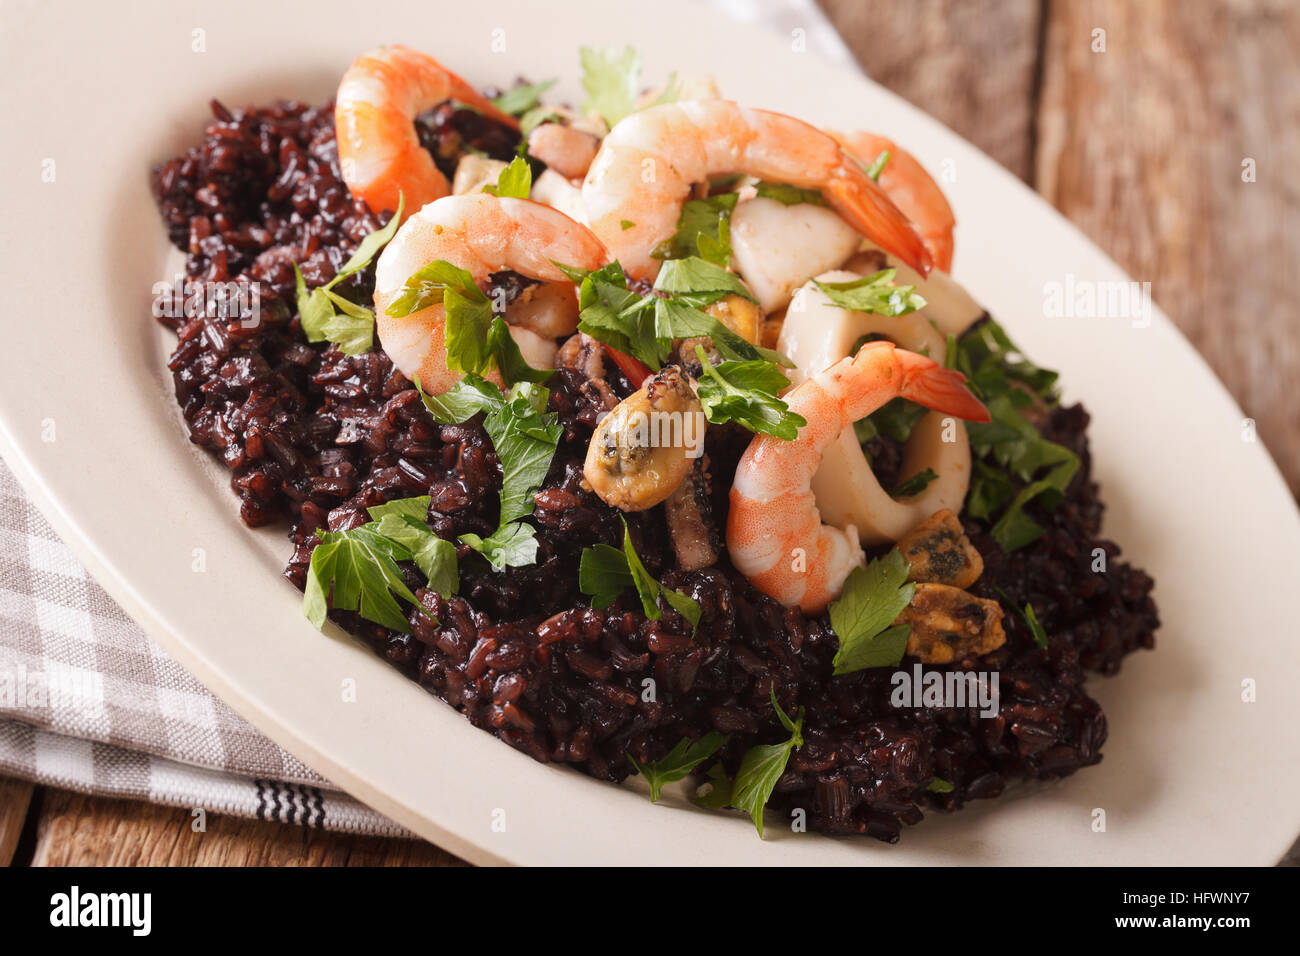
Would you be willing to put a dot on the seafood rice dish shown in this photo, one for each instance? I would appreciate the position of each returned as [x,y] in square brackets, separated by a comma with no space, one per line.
[653,434]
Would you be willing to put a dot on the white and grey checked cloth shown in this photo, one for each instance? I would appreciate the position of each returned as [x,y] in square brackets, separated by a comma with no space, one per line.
[89,703]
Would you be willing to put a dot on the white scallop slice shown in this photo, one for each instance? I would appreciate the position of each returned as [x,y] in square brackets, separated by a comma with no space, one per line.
[777,247]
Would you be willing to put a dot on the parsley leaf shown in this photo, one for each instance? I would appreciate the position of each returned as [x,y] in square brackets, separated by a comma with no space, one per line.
[521,99]
[715,792]
[514,182]
[874,293]
[895,419]
[646,326]
[511,545]
[476,338]
[603,573]
[871,601]
[703,230]
[939,785]
[425,287]
[612,81]
[915,485]
[505,355]
[1030,619]
[762,766]
[878,165]
[678,762]
[704,281]
[745,392]
[789,195]
[403,521]
[352,326]
[357,571]
[525,437]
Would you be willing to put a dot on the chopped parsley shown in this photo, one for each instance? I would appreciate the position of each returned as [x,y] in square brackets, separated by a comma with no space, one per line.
[477,340]
[403,521]
[357,569]
[1014,464]
[522,99]
[915,485]
[875,293]
[678,762]
[745,392]
[863,617]
[525,437]
[762,766]
[789,195]
[1030,619]
[878,165]
[612,81]
[604,572]
[703,230]
[326,316]
[939,785]
[895,420]
[645,326]
[515,181]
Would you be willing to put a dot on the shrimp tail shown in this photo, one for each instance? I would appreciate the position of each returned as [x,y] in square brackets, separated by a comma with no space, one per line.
[866,207]
[943,389]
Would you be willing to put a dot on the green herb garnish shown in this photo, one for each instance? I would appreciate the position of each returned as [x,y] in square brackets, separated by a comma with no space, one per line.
[878,165]
[789,195]
[612,80]
[703,230]
[1013,460]
[645,326]
[358,567]
[326,316]
[477,340]
[521,99]
[1027,615]
[939,785]
[525,437]
[763,765]
[745,392]
[604,572]
[915,485]
[678,762]
[863,617]
[515,181]
[874,293]
[403,521]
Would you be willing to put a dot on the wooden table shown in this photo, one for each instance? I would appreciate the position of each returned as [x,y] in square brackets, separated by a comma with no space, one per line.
[1137,134]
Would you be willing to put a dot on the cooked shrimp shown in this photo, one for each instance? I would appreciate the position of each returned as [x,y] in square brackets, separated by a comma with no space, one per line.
[816,334]
[775,533]
[374,118]
[647,165]
[565,149]
[482,235]
[911,188]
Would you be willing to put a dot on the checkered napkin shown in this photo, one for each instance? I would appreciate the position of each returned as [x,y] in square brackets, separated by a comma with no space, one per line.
[89,703]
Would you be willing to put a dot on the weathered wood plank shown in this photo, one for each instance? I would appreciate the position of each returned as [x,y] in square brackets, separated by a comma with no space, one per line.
[1143,146]
[77,830]
[15,801]
[970,65]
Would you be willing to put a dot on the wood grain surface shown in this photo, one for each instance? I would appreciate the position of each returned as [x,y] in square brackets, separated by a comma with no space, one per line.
[1142,145]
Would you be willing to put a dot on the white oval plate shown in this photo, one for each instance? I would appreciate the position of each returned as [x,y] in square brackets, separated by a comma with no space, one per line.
[1191,773]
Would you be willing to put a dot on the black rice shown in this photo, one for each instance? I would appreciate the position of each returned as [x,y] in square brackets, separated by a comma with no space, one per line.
[316,437]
